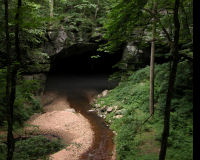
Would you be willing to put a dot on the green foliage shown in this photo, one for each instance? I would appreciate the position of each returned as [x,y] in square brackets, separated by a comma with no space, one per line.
[96,56]
[131,21]
[133,140]
[37,147]
[79,18]
[121,21]
[25,103]
[32,23]
[125,21]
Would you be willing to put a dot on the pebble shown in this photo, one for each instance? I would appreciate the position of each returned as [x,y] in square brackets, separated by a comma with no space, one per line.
[71,110]
[91,110]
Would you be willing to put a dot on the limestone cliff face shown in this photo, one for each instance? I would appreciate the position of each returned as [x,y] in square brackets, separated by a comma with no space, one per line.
[133,57]
[63,38]
[56,42]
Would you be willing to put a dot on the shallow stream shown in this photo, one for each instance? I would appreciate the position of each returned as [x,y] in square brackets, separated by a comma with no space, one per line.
[79,91]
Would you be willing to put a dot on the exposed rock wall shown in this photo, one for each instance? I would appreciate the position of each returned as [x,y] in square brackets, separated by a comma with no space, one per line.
[133,57]
[56,42]
[62,38]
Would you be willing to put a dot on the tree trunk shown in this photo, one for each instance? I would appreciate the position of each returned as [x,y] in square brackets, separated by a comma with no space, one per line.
[172,77]
[51,16]
[11,79]
[10,139]
[96,11]
[17,43]
[151,95]
[51,8]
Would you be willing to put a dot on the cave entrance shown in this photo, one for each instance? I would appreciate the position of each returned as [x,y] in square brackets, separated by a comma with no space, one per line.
[82,59]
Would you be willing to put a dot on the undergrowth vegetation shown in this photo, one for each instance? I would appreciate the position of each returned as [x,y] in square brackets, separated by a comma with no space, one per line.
[26,102]
[138,138]
[37,147]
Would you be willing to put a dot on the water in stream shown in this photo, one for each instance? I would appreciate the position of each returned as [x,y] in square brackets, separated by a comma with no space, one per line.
[79,89]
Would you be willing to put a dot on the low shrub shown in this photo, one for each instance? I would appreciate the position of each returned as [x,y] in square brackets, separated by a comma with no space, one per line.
[37,147]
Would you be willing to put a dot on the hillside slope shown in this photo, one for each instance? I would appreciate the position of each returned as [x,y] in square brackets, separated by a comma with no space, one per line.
[126,109]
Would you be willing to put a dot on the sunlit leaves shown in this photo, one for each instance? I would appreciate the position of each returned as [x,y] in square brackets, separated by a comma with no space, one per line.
[121,20]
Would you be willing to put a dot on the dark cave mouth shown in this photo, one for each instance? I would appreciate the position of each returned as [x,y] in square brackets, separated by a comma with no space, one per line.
[84,60]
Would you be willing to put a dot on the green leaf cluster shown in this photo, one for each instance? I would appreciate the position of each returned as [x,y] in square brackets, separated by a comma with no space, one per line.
[33,148]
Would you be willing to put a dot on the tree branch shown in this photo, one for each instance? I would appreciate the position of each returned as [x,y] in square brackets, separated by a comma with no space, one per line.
[158,20]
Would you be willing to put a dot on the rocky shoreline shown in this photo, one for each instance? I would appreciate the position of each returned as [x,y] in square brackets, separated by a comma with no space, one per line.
[103,111]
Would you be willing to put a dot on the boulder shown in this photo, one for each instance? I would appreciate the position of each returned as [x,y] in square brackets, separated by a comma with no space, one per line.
[118,112]
[122,111]
[104,93]
[109,109]
[118,116]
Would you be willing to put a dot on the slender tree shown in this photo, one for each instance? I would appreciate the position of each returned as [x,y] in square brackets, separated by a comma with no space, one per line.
[151,95]
[17,42]
[172,77]
[51,4]
[97,9]
[10,139]
[12,69]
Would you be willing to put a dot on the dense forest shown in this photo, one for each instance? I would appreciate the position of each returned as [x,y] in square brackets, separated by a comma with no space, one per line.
[121,69]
